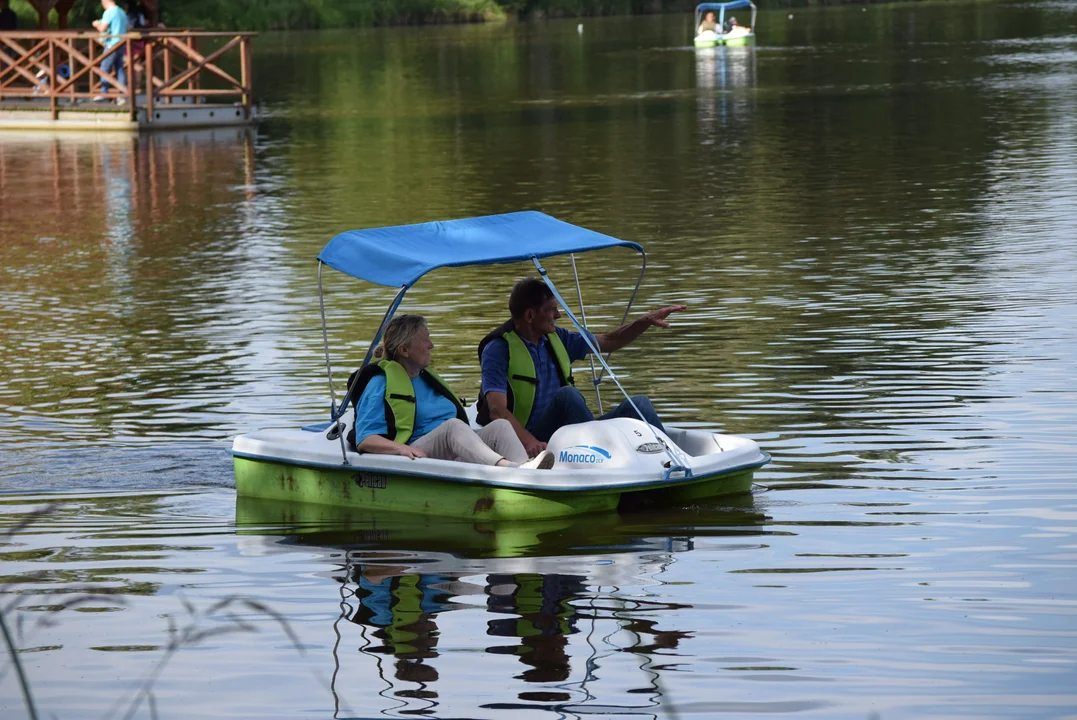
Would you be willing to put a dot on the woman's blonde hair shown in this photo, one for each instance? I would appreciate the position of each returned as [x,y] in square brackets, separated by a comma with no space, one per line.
[400,331]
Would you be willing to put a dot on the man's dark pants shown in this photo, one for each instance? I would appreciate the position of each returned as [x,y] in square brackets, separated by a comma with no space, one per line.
[568,408]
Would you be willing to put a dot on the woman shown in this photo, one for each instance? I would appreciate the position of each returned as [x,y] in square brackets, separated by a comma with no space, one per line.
[406,409]
[708,24]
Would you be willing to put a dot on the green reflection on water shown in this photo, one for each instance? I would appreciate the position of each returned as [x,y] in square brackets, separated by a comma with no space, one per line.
[870,216]
[826,203]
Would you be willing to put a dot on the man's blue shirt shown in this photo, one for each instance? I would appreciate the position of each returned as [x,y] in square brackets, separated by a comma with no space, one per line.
[431,409]
[117,24]
[495,367]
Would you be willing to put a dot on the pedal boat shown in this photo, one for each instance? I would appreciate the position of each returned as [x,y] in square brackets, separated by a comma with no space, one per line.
[737,36]
[600,465]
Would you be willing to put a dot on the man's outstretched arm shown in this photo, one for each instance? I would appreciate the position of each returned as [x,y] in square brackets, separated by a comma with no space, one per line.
[627,333]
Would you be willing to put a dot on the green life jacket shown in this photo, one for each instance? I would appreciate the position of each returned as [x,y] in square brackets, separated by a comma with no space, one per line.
[399,397]
[523,380]
[407,610]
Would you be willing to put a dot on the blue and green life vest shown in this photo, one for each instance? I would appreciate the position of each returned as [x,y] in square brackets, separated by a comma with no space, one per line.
[523,380]
[399,397]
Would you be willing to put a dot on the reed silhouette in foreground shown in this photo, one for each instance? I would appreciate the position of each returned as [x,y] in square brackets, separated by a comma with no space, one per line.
[191,632]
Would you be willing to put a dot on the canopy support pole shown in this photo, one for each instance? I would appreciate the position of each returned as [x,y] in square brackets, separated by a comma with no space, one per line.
[583,316]
[325,341]
[335,411]
[348,399]
[628,308]
[384,321]
[373,345]
[366,361]
[329,369]
[676,464]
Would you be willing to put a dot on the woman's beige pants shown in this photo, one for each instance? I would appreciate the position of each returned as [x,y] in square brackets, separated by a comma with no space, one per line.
[455,440]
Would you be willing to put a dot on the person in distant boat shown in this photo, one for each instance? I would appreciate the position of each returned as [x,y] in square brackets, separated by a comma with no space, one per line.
[404,408]
[734,26]
[708,24]
[527,367]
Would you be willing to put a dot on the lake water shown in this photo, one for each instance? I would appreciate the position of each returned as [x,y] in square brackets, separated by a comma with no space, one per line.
[873,218]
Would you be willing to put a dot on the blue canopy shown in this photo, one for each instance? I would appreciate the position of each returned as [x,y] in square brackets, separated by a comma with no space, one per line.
[400,255]
[704,7]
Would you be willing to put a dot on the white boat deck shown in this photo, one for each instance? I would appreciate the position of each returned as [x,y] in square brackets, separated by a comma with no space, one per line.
[600,455]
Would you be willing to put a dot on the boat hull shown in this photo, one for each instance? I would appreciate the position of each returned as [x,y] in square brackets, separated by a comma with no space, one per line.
[355,488]
[739,41]
[729,41]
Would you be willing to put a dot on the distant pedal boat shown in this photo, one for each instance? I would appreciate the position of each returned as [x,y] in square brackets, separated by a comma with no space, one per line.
[737,36]
[599,466]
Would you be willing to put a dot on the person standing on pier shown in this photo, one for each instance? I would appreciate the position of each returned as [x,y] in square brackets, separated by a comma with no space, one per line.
[8,19]
[112,26]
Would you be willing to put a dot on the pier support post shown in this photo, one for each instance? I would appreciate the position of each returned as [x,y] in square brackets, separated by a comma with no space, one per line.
[149,81]
[245,75]
[51,79]
[130,62]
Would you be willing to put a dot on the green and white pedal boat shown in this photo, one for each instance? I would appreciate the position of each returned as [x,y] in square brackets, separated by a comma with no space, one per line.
[735,36]
[600,466]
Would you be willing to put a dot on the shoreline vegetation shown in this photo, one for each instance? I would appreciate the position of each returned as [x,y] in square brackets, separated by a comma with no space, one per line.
[261,15]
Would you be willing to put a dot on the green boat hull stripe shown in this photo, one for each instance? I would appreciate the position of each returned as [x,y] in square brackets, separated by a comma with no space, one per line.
[389,491]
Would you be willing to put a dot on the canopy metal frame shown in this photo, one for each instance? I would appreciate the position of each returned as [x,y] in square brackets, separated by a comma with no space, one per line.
[677,464]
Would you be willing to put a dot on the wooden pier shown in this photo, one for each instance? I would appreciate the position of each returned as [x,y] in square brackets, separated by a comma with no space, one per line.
[175,79]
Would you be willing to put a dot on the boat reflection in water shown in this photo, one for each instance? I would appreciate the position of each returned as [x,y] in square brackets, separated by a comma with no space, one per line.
[557,595]
[726,79]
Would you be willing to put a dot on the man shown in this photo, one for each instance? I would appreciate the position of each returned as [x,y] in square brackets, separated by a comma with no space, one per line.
[526,367]
[112,25]
[8,19]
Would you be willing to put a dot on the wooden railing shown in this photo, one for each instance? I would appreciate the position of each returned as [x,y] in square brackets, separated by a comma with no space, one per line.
[162,67]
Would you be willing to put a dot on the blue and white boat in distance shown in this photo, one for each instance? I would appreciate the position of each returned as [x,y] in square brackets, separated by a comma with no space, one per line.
[725,32]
